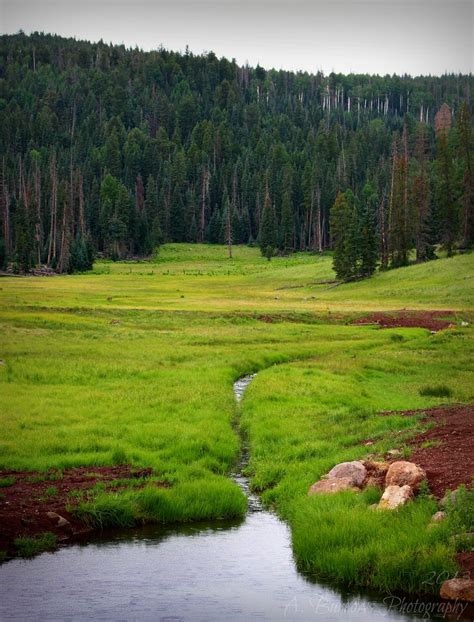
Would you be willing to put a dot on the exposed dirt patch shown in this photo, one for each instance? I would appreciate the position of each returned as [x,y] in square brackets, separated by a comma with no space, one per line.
[25,503]
[446,451]
[405,318]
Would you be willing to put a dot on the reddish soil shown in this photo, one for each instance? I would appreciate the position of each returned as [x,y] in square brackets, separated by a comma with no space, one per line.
[24,505]
[449,462]
[405,318]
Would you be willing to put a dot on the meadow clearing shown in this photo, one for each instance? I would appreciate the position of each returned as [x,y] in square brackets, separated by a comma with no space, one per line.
[134,363]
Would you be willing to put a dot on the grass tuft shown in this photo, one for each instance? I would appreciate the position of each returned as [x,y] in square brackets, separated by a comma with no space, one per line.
[5,482]
[440,390]
[29,547]
[197,500]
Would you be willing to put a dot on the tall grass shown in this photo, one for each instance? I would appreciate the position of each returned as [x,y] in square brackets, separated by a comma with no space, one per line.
[342,539]
[197,500]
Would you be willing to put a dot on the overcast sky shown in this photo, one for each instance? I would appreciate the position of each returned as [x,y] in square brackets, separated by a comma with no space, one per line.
[369,36]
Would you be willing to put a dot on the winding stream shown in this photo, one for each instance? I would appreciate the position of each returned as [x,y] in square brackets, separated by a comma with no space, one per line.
[217,571]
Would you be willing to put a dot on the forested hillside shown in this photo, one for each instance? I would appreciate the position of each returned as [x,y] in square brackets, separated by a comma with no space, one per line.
[113,150]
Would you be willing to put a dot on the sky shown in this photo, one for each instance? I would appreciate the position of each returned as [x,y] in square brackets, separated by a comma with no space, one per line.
[361,36]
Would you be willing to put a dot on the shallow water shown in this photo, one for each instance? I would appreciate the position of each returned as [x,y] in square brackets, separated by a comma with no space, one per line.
[221,571]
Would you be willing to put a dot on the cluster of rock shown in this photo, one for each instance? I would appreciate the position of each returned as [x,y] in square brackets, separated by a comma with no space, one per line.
[400,479]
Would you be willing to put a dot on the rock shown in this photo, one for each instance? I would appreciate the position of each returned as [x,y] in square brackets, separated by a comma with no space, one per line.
[404,473]
[458,589]
[376,472]
[59,520]
[438,517]
[355,471]
[331,485]
[394,497]
[449,498]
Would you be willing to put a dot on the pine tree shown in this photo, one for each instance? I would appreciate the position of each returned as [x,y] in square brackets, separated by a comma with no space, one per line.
[420,199]
[268,234]
[368,234]
[113,162]
[286,223]
[464,129]
[24,238]
[445,195]
[227,222]
[399,235]
[341,226]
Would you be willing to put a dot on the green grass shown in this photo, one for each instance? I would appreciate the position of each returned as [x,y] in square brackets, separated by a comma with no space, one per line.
[134,363]
[5,482]
[440,390]
[354,545]
[197,500]
[29,547]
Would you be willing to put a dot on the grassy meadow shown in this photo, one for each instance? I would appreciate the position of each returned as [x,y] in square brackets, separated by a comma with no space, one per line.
[135,361]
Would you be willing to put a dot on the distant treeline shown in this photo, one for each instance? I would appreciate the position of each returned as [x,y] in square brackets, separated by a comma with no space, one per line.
[115,150]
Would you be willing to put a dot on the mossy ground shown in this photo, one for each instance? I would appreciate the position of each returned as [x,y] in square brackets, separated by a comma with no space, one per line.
[134,363]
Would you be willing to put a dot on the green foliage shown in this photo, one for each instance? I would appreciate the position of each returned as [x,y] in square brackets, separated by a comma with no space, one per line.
[180,132]
[29,547]
[7,481]
[353,230]
[268,230]
[82,257]
[356,546]
[196,500]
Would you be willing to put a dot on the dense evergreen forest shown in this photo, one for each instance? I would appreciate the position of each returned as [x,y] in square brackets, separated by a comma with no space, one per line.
[112,150]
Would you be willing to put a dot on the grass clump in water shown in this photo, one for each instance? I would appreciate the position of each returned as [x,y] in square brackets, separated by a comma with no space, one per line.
[29,547]
[195,500]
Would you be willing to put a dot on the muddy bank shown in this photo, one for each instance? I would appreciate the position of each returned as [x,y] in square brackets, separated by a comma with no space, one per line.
[26,497]
[404,318]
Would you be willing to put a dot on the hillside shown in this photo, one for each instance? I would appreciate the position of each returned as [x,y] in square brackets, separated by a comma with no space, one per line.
[113,150]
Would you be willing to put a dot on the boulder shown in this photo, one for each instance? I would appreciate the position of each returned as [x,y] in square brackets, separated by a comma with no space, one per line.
[376,472]
[438,517]
[394,497]
[449,498]
[331,485]
[59,520]
[458,589]
[355,471]
[402,473]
